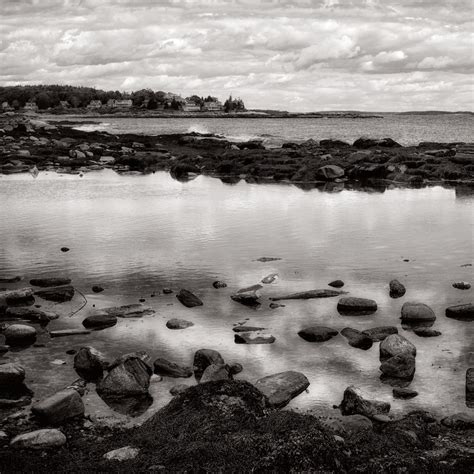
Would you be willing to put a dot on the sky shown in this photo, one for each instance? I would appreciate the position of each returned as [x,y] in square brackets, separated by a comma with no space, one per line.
[295,55]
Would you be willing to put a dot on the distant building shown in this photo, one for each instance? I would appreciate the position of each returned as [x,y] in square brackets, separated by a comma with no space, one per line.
[212,106]
[31,106]
[64,104]
[190,106]
[94,104]
[120,103]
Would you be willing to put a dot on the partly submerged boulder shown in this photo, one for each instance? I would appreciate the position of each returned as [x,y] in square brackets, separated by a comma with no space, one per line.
[216,372]
[90,363]
[203,358]
[461,312]
[354,403]
[135,310]
[317,333]
[396,344]
[350,305]
[178,324]
[357,339]
[414,312]
[281,388]
[99,321]
[188,299]
[19,335]
[400,366]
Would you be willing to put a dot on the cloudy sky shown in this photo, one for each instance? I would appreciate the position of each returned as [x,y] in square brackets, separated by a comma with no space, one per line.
[294,55]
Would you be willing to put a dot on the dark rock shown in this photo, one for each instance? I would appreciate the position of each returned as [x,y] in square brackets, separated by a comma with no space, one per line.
[251,288]
[188,299]
[19,297]
[235,368]
[170,369]
[39,439]
[178,324]
[99,321]
[58,294]
[397,290]
[213,373]
[281,388]
[97,289]
[179,388]
[470,387]
[380,333]
[11,374]
[19,335]
[267,259]
[357,339]
[135,310]
[354,403]
[60,407]
[350,305]
[11,279]
[69,332]
[330,172]
[370,142]
[4,349]
[404,393]
[203,358]
[329,143]
[247,299]
[219,284]
[253,337]
[270,278]
[462,285]
[65,249]
[275,305]
[305,295]
[459,421]
[317,333]
[167,291]
[416,312]
[461,312]
[336,284]
[90,363]
[426,332]
[400,366]
[48,282]
[247,328]
[396,344]
[31,314]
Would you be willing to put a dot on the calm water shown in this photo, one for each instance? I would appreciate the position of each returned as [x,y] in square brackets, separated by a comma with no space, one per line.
[135,235]
[406,129]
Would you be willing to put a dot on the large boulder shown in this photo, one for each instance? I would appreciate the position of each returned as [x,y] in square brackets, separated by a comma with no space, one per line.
[380,333]
[400,366]
[188,299]
[281,388]
[396,344]
[253,337]
[128,375]
[39,439]
[350,305]
[60,407]
[357,339]
[461,312]
[47,282]
[354,403]
[170,369]
[99,321]
[397,290]
[19,335]
[31,314]
[413,312]
[216,372]
[330,172]
[11,374]
[58,294]
[317,333]
[203,358]
[90,363]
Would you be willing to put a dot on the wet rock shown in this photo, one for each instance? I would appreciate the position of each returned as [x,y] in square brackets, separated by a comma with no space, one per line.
[330,172]
[188,299]
[404,393]
[267,259]
[60,407]
[354,403]
[397,290]
[396,344]
[357,339]
[170,369]
[470,387]
[305,295]
[426,332]
[247,328]
[39,439]
[336,284]
[122,454]
[219,284]
[167,291]
[11,374]
[281,388]
[65,249]
[58,294]
[459,421]
[179,388]
[350,305]
[69,332]
[129,375]
[99,321]
[216,372]
[413,313]
[253,337]
[90,363]
[380,333]
[462,285]
[235,368]
[275,305]
[203,358]
[270,278]
[135,310]
[461,312]
[20,297]
[364,142]
[317,333]
[10,279]
[48,282]
[178,324]
[19,335]
[31,314]
[97,289]
[400,366]
[250,298]
[251,288]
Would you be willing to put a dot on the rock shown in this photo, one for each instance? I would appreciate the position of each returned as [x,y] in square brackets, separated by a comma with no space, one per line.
[347,425]
[20,297]
[58,294]
[267,259]
[270,278]
[178,324]
[330,172]
[128,375]
[281,388]
[380,333]
[122,454]
[470,387]
[461,312]
[31,314]
[235,368]
[65,249]
[60,407]
[397,290]
[364,142]
[47,282]
[426,332]
[135,310]
[336,284]
[404,393]
[97,289]
[350,305]
[305,295]
[276,305]
[179,388]
[170,369]
[216,372]
[4,349]
[459,421]
[357,339]
[462,285]
[90,363]
[203,358]
[396,344]
[400,366]
[219,284]
[247,299]
[188,299]
[247,328]
[167,291]
[251,288]
[413,312]
[99,321]
[39,439]
[69,332]
[19,335]
[11,374]
[10,279]
[317,333]
[354,403]
[253,337]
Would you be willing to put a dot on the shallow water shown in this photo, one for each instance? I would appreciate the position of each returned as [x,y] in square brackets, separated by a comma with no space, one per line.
[134,235]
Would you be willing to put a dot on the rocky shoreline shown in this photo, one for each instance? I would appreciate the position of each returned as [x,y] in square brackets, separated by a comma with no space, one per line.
[31,145]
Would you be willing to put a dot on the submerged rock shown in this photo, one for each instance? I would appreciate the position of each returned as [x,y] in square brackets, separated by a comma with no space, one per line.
[203,358]
[380,333]
[354,403]
[188,299]
[267,259]
[47,282]
[97,289]
[281,388]
[305,295]
[69,332]
[404,393]
[413,313]
[99,321]
[317,333]
[31,314]
[461,312]
[350,305]
[396,344]
[58,294]
[357,339]
[253,337]
[462,285]
[19,335]
[178,324]
[336,284]
[250,298]
[60,407]
[397,290]
[39,439]
[169,369]
[90,363]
